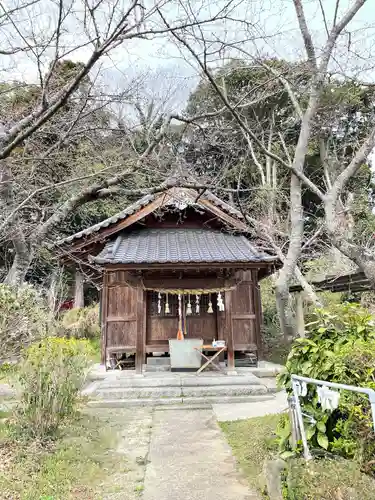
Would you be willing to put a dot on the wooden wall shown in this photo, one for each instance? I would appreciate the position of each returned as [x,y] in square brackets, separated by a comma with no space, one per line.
[128,323]
[123,315]
[245,318]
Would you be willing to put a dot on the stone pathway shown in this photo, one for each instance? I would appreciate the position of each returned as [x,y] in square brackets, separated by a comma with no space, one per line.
[189,459]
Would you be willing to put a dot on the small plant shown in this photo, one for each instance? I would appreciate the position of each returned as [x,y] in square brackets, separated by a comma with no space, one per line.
[51,374]
[24,318]
[81,323]
[340,347]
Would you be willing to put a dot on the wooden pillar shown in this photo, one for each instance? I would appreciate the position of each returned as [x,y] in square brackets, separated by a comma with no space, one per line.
[103,317]
[300,318]
[258,314]
[141,329]
[229,331]
[79,300]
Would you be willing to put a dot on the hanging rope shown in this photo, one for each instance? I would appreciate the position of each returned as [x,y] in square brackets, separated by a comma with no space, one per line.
[192,291]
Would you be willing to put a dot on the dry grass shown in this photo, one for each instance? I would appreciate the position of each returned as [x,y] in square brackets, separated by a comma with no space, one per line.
[68,468]
[252,442]
[328,480]
[102,456]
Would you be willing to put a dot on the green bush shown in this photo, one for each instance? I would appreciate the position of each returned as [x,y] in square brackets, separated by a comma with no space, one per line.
[24,317]
[51,373]
[340,347]
[81,322]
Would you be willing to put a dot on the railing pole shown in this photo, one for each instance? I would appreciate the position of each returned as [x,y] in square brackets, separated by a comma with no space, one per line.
[306,451]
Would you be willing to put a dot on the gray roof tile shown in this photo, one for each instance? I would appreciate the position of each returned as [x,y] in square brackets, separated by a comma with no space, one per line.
[111,220]
[181,245]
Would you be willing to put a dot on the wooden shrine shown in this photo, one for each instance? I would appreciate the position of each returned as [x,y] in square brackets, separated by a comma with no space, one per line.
[177,260]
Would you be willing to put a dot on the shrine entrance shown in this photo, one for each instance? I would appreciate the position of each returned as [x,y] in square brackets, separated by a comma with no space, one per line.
[197,315]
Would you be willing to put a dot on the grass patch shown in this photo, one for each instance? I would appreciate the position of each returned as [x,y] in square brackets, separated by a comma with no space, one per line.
[8,373]
[70,468]
[252,441]
[328,480]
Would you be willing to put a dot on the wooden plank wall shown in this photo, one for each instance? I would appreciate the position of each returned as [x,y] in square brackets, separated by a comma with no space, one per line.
[245,312]
[123,315]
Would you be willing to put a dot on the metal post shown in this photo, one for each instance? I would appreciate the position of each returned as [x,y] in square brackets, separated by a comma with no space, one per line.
[306,451]
[294,422]
[371,397]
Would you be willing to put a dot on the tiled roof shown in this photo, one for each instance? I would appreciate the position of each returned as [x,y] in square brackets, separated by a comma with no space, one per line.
[151,246]
[131,209]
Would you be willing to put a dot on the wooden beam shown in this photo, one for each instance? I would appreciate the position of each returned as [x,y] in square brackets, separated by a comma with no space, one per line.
[141,328]
[235,223]
[189,283]
[229,331]
[104,314]
[188,265]
[258,314]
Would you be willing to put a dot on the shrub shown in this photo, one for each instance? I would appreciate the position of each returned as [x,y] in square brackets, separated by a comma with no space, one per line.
[81,322]
[24,317]
[340,347]
[51,374]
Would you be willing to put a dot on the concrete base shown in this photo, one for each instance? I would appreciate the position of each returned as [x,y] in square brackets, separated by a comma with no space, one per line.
[182,402]
[158,361]
[124,388]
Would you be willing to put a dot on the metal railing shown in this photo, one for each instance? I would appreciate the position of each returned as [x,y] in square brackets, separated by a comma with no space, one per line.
[296,379]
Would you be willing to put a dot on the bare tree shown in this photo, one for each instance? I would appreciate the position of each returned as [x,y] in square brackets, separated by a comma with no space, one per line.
[200,47]
[42,36]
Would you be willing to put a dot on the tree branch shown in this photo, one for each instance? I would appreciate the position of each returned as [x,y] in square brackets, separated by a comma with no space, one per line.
[309,46]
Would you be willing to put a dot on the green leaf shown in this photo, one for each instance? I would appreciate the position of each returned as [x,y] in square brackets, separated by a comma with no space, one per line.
[323,440]
[310,431]
[285,432]
[321,426]
[322,329]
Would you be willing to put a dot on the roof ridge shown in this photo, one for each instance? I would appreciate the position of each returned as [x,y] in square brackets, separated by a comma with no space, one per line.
[145,200]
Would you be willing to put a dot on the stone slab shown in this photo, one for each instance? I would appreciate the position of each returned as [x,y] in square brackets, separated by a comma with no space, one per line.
[198,380]
[228,399]
[169,381]
[138,392]
[158,361]
[229,412]
[223,390]
[157,368]
[125,403]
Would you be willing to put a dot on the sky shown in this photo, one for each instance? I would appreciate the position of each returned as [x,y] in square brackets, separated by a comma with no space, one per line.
[157,68]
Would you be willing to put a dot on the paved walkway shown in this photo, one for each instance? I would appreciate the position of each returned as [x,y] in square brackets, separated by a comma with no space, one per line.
[189,459]
[240,411]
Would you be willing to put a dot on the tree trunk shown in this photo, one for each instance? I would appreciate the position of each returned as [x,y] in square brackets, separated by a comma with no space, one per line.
[336,229]
[284,312]
[22,260]
[22,254]
[300,317]
[78,290]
